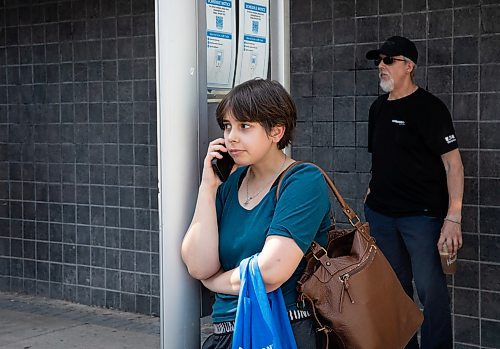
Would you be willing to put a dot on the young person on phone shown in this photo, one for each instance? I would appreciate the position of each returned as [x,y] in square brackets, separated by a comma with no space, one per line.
[240,217]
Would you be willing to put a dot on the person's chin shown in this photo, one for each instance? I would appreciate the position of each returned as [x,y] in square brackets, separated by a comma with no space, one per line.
[386,85]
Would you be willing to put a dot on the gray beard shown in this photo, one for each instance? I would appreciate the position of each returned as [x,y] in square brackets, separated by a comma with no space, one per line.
[387,85]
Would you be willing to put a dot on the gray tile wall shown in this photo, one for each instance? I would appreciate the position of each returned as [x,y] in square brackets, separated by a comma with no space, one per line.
[78,175]
[333,85]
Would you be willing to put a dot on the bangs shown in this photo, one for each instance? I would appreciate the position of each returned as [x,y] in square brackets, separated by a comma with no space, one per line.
[235,110]
[241,104]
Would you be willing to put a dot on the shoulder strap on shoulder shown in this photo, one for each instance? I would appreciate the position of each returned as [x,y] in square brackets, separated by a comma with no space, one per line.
[282,175]
[348,211]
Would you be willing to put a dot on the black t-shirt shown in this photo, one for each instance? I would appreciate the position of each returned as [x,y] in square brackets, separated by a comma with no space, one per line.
[407,137]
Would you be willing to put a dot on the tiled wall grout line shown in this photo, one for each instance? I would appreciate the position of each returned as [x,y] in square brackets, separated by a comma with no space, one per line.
[98,176]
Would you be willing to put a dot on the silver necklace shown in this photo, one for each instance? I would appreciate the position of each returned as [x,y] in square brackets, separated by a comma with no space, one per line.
[251,197]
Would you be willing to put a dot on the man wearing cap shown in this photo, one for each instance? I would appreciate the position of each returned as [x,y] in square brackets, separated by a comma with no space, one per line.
[414,199]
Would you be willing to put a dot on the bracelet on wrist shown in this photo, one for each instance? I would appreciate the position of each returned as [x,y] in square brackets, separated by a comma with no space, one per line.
[453,221]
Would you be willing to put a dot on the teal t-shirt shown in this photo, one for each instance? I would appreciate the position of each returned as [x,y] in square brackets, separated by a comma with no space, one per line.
[301,213]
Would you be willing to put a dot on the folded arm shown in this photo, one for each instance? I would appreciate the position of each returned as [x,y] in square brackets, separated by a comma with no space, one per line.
[200,247]
[278,260]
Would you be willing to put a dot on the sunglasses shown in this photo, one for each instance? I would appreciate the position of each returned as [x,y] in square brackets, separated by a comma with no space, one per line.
[388,60]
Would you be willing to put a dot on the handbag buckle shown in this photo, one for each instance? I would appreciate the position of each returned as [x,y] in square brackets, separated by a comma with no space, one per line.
[321,249]
[356,218]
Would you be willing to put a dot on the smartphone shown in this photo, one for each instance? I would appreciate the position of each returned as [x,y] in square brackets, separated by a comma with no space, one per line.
[222,167]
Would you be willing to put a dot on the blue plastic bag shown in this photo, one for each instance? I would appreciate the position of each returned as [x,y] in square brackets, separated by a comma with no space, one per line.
[261,318]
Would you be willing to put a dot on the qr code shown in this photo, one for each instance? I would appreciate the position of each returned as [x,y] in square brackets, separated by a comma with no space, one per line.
[255,26]
[219,22]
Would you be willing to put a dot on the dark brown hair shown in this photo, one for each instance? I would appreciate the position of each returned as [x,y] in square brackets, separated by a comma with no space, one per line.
[262,101]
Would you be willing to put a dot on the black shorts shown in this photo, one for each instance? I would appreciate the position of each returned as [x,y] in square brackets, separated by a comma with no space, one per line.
[303,331]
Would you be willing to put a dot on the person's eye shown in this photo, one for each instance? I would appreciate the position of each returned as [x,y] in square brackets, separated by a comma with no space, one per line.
[226,126]
[245,125]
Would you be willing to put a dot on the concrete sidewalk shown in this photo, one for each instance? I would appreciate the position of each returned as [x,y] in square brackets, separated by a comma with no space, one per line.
[28,322]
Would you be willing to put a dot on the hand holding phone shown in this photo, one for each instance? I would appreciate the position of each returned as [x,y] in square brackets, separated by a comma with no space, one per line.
[222,167]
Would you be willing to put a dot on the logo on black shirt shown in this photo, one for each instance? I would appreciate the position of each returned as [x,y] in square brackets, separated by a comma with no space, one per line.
[398,122]
[450,139]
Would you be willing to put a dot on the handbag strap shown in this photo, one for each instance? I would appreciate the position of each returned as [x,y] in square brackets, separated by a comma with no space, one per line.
[321,327]
[348,211]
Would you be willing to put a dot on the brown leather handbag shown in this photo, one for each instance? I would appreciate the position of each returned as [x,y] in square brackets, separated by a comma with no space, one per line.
[352,291]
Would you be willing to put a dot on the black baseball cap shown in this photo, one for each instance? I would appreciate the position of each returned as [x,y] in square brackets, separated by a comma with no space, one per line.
[395,46]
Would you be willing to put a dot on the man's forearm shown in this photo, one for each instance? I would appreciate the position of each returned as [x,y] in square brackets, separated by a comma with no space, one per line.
[455,182]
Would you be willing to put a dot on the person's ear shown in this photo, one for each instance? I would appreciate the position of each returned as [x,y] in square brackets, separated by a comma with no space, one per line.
[277,133]
[410,66]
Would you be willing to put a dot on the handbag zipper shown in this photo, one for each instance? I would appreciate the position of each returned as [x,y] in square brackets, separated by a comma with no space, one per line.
[344,278]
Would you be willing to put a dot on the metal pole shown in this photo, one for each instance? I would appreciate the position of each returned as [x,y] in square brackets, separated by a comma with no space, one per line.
[280,41]
[280,45]
[178,112]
